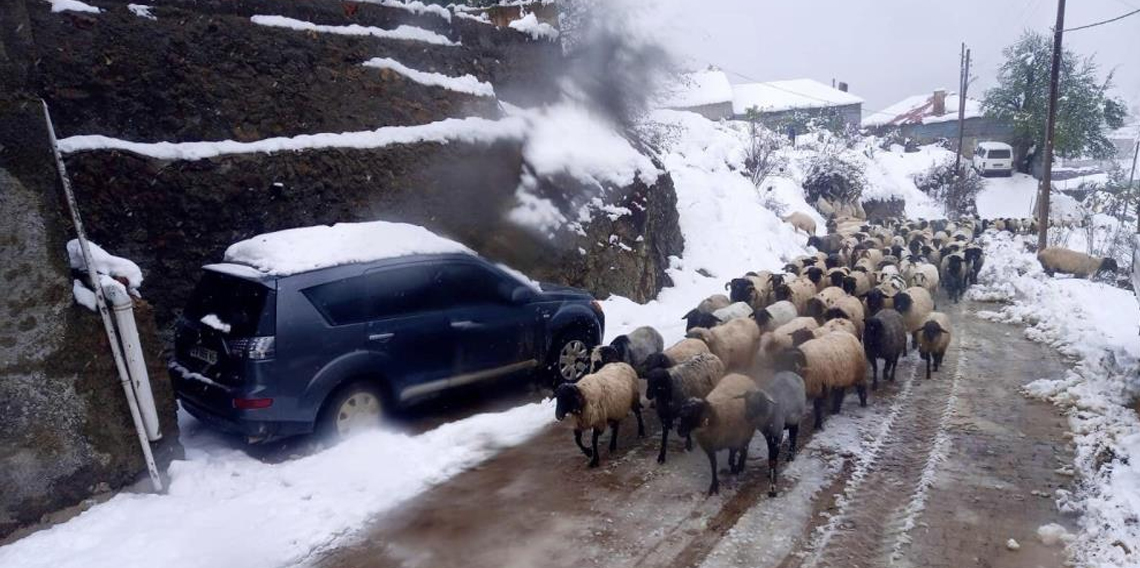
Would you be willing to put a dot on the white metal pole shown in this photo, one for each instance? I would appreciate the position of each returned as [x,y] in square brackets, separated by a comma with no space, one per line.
[101,303]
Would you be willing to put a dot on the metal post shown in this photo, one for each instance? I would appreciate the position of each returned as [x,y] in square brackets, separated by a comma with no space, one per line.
[1050,127]
[101,303]
[1131,177]
[963,84]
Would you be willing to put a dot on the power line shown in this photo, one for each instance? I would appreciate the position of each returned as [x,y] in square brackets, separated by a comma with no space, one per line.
[1103,22]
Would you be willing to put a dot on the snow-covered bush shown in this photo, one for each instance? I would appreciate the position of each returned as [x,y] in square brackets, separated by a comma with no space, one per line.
[763,155]
[957,190]
[835,174]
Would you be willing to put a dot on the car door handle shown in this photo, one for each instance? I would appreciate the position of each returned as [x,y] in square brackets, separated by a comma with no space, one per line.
[381,337]
[465,324]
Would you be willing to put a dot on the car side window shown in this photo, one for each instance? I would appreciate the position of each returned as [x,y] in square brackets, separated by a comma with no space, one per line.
[466,284]
[981,153]
[376,295]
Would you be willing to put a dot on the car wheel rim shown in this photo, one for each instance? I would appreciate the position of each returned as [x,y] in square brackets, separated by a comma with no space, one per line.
[357,412]
[572,360]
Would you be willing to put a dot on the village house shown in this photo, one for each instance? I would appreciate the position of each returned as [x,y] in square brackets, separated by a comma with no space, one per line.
[927,119]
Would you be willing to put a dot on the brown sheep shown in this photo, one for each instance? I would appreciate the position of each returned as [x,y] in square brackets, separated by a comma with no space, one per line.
[720,422]
[933,340]
[600,399]
[1065,261]
[798,292]
[735,342]
[802,222]
[829,364]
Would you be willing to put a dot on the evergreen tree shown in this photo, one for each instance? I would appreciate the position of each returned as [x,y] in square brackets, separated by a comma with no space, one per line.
[1084,110]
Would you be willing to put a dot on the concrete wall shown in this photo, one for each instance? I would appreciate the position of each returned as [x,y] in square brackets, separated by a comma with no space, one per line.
[716,111]
[975,130]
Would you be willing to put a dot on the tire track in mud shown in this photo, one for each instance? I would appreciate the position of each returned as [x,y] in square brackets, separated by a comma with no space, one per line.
[889,480]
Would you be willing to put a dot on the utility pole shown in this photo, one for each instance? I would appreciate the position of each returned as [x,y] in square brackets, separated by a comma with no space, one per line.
[1132,176]
[1050,128]
[963,84]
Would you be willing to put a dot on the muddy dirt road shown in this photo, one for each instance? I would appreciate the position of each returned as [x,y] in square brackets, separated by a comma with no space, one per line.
[932,473]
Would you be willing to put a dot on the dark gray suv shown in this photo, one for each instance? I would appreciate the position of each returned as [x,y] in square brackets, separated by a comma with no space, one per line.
[330,349]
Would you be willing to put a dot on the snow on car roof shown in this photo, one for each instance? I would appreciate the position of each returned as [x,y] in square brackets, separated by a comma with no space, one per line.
[994,146]
[293,251]
[777,96]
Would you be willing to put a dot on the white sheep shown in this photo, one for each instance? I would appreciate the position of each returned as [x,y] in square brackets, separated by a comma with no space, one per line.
[1065,261]
[775,315]
[598,400]
[719,423]
[915,304]
[802,222]
[924,275]
[633,348]
[733,311]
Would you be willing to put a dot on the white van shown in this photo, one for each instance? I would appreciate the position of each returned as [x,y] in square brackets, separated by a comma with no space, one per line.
[993,158]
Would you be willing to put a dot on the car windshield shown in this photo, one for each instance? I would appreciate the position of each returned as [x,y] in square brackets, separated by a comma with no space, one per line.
[234,303]
[998,154]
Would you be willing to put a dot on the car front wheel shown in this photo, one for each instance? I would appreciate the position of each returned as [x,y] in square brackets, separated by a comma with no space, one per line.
[351,410]
[569,358]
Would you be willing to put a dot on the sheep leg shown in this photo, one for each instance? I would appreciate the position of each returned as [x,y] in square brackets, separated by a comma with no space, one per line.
[741,458]
[689,443]
[773,462]
[640,422]
[793,432]
[837,399]
[581,446]
[875,373]
[818,410]
[938,360]
[665,426]
[613,435]
[894,367]
[594,443]
[929,359]
[862,390]
[715,487]
[731,461]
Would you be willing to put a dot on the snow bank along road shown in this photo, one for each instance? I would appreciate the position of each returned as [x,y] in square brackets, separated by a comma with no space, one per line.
[932,473]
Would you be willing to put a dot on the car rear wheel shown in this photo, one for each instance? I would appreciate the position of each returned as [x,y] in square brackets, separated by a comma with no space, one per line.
[353,409]
[569,357]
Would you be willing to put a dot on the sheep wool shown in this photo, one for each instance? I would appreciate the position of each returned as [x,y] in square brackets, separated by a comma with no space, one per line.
[934,339]
[798,292]
[696,377]
[801,221]
[781,338]
[776,315]
[917,309]
[835,360]
[733,311]
[839,324]
[727,425]
[685,349]
[713,303]
[850,308]
[610,394]
[1065,261]
[735,342]
[824,300]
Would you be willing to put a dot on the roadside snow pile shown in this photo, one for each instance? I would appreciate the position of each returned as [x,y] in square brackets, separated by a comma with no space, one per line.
[105,263]
[405,32]
[225,508]
[308,248]
[727,229]
[415,7]
[473,130]
[465,84]
[530,25]
[1095,324]
[141,10]
[890,175]
[72,5]
[1016,196]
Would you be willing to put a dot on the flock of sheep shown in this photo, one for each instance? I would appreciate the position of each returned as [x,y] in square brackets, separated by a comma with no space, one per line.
[754,359]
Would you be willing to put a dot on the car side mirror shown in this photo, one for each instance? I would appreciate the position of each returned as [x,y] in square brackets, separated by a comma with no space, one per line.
[521,295]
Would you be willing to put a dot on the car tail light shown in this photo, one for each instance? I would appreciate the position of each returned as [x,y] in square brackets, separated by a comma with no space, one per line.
[252,403]
[254,347]
[597,306]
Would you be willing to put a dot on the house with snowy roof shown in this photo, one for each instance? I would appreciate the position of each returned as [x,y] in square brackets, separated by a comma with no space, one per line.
[707,93]
[797,102]
[929,118]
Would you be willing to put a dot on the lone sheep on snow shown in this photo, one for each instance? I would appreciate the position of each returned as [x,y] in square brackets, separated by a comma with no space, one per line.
[802,222]
[933,340]
[778,405]
[598,400]
[1065,261]
[670,388]
[633,348]
[719,423]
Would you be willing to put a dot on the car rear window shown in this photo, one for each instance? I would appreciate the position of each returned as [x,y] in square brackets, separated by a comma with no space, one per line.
[239,303]
[998,154]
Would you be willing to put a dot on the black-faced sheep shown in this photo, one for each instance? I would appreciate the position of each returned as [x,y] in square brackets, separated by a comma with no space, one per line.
[829,365]
[598,400]
[849,308]
[735,342]
[914,304]
[719,423]
[798,292]
[829,244]
[677,353]
[633,348]
[824,300]
[954,275]
[1065,261]
[884,337]
[701,316]
[933,340]
[777,406]
[975,258]
[670,388]
[924,275]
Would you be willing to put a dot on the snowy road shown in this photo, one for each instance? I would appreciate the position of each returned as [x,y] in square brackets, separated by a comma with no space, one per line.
[932,473]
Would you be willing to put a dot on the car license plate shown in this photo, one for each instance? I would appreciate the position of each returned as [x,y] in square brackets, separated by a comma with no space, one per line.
[201,353]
